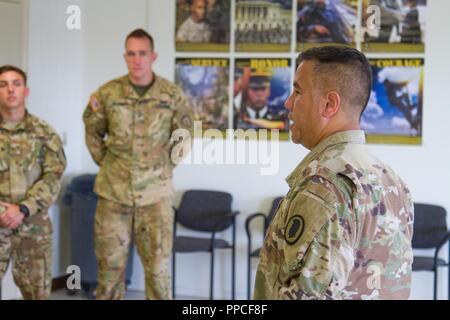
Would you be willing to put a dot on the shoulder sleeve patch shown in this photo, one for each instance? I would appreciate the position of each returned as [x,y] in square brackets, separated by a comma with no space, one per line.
[294,229]
[94,104]
[308,212]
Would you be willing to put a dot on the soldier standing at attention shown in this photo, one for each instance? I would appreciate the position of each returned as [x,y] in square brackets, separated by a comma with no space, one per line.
[344,229]
[129,125]
[32,162]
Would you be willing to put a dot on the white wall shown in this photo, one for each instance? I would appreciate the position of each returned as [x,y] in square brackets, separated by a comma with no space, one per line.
[12,35]
[66,66]
[11,32]
[55,69]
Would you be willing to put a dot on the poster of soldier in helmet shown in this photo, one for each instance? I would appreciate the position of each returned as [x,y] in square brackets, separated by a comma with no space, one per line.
[326,22]
[263,25]
[202,25]
[205,83]
[394,111]
[261,86]
[393,25]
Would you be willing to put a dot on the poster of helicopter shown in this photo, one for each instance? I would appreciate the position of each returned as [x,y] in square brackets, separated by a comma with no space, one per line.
[394,112]
[393,25]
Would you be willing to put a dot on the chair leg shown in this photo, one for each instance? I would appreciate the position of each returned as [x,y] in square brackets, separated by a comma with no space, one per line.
[211,280]
[233,274]
[435,284]
[448,279]
[233,267]
[173,274]
[249,273]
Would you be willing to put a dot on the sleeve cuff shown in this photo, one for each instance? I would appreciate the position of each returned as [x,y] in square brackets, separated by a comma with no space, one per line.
[31,205]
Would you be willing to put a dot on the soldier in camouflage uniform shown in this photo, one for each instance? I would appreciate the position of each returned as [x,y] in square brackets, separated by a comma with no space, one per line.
[344,229]
[130,124]
[32,162]
[195,28]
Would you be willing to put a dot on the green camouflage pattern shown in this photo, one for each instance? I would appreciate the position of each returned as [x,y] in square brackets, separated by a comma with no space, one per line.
[343,231]
[152,229]
[130,138]
[31,259]
[32,163]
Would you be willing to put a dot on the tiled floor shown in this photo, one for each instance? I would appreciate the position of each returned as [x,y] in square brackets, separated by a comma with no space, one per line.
[130,295]
[63,295]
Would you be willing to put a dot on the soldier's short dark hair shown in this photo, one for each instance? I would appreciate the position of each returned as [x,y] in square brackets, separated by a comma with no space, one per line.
[343,68]
[141,34]
[7,68]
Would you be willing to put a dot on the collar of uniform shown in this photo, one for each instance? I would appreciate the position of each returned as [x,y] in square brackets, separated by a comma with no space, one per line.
[24,124]
[129,90]
[252,113]
[350,136]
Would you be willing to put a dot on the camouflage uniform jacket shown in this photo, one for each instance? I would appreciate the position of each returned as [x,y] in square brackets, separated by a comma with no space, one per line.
[32,162]
[343,231]
[130,138]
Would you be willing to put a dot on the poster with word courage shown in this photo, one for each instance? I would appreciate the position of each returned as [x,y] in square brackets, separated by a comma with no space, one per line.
[394,111]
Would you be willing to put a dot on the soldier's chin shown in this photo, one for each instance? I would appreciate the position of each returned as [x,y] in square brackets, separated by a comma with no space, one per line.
[295,139]
[137,74]
[13,105]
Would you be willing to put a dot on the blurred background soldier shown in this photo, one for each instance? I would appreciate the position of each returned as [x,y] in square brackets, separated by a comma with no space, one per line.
[32,162]
[130,124]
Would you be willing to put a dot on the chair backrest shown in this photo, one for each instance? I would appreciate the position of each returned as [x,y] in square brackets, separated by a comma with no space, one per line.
[430,225]
[272,212]
[203,210]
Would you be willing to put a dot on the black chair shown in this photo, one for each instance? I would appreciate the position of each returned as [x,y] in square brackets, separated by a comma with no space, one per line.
[430,232]
[205,211]
[254,253]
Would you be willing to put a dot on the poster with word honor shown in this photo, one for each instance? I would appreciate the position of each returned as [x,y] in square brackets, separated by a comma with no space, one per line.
[261,86]
[205,83]
[393,25]
[326,22]
[263,25]
[394,112]
[203,25]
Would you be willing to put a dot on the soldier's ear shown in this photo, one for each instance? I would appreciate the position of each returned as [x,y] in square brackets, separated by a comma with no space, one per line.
[27,92]
[332,104]
[154,55]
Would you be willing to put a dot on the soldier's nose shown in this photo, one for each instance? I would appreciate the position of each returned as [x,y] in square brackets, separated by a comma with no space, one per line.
[287,103]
